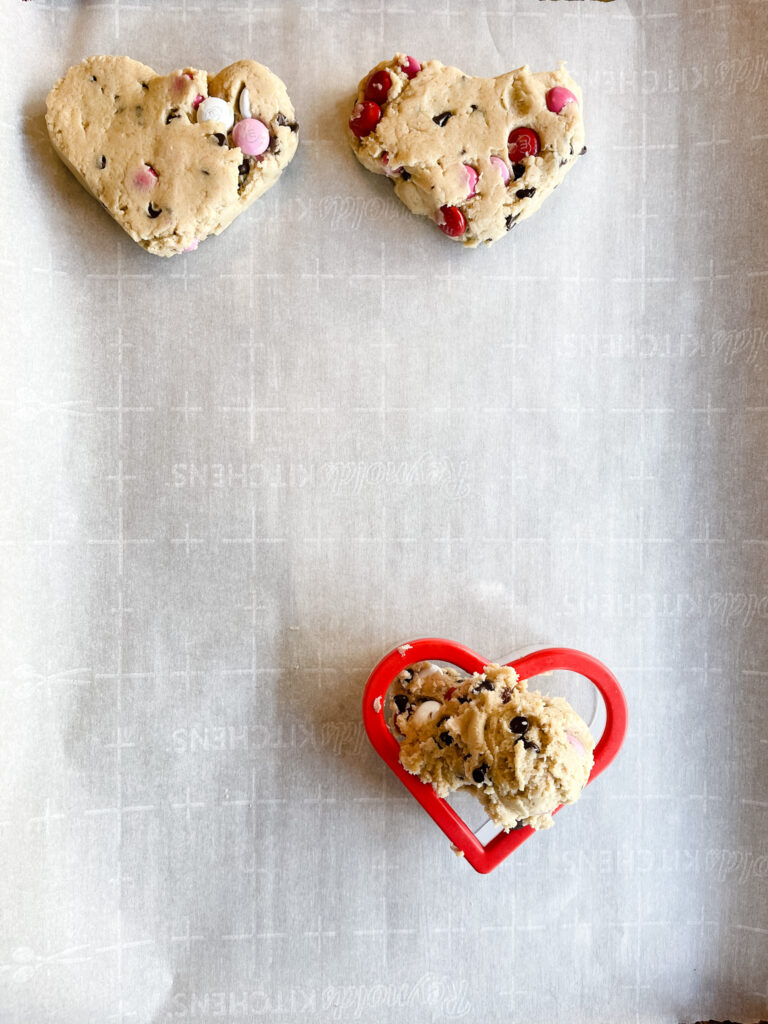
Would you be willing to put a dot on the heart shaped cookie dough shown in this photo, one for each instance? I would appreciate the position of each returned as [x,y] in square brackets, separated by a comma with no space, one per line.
[172,158]
[477,155]
[484,712]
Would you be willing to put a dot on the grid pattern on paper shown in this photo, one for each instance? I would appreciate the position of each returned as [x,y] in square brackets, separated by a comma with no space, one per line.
[231,480]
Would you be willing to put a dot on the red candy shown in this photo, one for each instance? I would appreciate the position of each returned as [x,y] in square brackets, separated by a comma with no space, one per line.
[365,117]
[411,68]
[451,221]
[197,101]
[472,179]
[522,142]
[378,86]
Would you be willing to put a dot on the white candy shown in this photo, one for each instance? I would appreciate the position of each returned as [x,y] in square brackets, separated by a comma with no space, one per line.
[245,104]
[216,109]
[425,712]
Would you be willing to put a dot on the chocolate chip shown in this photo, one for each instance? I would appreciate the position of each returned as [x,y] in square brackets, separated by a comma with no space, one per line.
[583,151]
[506,695]
[220,138]
[93,78]
[525,193]
[442,119]
[518,170]
[510,220]
[294,126]
[281,119]
[153,211]
[103,163]
[206,173]
[487,685]
[405,175]
[571,149]
[244,167]
[274,145]
[563,163]
[479,773]
[173,113]
[473,108]
[529,743]
[144,85]
[519,724]
[445,738]
[401,702]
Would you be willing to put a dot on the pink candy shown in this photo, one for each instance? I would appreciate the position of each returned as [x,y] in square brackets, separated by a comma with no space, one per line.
[501,167]
[577,745]
[558,98]
[410,67]
[251,136]
[197,101]
[193,246]
[472,178]
[145,179]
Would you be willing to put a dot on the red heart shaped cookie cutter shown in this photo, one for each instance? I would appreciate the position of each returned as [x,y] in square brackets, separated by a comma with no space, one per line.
[484,858]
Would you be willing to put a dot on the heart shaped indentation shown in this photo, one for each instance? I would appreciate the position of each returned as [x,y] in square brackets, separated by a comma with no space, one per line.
[476,155]
[484,858]
[172,158]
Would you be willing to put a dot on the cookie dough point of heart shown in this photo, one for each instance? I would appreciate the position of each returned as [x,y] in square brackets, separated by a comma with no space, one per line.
[433,122]
[521,753]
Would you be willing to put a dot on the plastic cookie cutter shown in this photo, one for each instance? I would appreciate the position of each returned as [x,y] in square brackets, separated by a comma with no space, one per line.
[484,857]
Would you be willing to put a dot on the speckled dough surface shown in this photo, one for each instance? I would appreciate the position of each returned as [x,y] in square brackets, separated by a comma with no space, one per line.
[521,753]
[137,141]
[476,155]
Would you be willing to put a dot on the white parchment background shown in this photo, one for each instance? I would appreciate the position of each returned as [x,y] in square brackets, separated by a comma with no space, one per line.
[229,481]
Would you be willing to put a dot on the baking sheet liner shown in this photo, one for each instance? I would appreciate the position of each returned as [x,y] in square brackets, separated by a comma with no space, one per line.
[231,481]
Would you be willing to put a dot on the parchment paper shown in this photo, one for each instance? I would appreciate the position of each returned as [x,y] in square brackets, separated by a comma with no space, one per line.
[231,481]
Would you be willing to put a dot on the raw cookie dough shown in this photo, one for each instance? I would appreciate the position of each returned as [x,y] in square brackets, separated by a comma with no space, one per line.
[520,753]
[139,143]
[477,155]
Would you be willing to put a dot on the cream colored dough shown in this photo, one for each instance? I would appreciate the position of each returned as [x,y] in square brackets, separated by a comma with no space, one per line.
[132,139]
[483,112]
[467,733]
